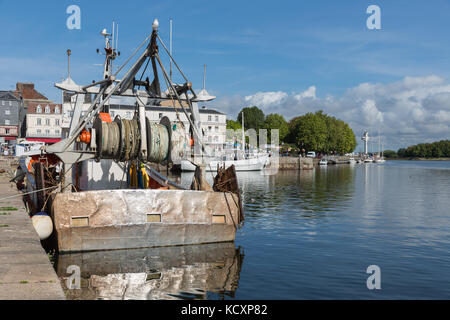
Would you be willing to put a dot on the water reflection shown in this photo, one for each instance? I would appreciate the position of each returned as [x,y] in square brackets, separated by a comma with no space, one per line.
[183,272]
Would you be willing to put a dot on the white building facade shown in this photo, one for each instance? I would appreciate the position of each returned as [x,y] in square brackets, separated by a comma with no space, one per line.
[43,122]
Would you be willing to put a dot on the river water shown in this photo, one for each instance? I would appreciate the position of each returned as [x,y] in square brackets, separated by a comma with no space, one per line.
[308,234]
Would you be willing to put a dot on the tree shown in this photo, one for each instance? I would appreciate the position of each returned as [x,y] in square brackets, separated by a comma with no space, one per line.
[253,118]
[231,124]
[426,150]
[276,121]
[321,133]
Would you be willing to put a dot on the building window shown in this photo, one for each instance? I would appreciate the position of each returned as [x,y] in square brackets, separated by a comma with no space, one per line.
[3,102]
[38,131]
[217,118]
[7,122]
[57,122]
[160,115]
[38,109]
[57,109]
[216,139]
[57,132]
[47,122]
[47,132]
[7,112]
[209,139]
[209,128]
[10,103]
[47,109]
[209,118]
[216,129]
[6,131]
[38,121]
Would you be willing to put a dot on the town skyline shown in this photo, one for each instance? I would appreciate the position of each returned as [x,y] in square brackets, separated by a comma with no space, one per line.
[308,58]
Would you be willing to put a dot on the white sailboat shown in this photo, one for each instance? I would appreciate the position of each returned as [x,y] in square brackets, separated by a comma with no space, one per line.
[248,162]
[380,158]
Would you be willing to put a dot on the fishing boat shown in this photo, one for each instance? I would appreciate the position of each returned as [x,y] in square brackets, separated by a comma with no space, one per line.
[95,189]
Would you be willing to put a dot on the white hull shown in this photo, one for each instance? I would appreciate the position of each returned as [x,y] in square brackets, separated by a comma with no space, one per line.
[252,164]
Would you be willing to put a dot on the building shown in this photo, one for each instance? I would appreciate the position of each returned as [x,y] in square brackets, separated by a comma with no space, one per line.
[43,122]
[10,107]
[26,92]
[68,105]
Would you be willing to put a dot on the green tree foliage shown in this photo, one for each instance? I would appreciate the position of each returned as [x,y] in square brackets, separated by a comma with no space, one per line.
[276,121]
[390,154]
[253,118]
[321,133]
[426,150]
[231,124]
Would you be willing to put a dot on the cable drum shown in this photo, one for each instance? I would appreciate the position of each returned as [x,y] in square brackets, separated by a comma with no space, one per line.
[158,142]
[108,137]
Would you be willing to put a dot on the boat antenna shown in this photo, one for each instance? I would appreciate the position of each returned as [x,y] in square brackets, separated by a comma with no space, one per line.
[204,76]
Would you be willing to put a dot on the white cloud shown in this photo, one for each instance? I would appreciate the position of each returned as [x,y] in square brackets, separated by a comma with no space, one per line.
[308,93]
[410,111]
[265,99]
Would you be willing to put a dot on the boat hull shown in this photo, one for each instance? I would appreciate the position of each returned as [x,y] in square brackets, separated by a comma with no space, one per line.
[252,164]
[122,219]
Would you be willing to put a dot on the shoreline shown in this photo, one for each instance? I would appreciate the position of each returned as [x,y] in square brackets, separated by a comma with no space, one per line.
[420,159]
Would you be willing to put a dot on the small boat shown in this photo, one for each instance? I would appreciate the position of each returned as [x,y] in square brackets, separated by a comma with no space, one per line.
[241,160]
[251,164]
[351,161]
[323,162]
[379,160]
[368,160]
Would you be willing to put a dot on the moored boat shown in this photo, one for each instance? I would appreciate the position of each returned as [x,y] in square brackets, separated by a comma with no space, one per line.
[96,184]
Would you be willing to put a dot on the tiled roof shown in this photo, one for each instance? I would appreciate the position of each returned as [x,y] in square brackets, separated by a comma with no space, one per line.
[32,106]
[27,92]
[7,95]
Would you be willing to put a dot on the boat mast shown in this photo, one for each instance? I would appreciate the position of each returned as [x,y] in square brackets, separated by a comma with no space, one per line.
[170,47]
[243,132]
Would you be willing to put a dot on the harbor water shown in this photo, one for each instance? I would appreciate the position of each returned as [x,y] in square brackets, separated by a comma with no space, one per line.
[308,234]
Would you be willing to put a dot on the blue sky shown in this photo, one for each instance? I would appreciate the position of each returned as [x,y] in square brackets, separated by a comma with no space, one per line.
[259,51]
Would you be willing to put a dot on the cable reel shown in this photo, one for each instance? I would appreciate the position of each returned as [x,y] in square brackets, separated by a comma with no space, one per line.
[120,139]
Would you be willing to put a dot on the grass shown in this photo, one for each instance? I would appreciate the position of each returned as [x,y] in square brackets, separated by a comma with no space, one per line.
[5,213]
[8,209]
[4,226]
[23,281]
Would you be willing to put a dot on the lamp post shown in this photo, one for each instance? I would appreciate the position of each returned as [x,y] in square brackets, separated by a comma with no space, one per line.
[69,52]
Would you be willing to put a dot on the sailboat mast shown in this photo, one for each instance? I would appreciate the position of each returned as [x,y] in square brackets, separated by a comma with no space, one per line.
[243,132]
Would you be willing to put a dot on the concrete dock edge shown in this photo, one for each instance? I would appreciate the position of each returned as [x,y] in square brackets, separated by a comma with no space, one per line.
[26,272]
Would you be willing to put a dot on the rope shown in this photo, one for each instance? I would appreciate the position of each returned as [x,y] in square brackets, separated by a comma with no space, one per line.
[23,194]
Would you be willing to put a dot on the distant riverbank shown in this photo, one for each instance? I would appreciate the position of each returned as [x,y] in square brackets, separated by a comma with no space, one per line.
[421,159]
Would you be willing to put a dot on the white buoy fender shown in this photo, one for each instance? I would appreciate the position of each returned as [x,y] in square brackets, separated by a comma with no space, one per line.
[43,225]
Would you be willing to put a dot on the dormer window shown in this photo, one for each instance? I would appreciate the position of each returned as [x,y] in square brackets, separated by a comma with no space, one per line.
[57,110]
[38,109]
[47,109]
